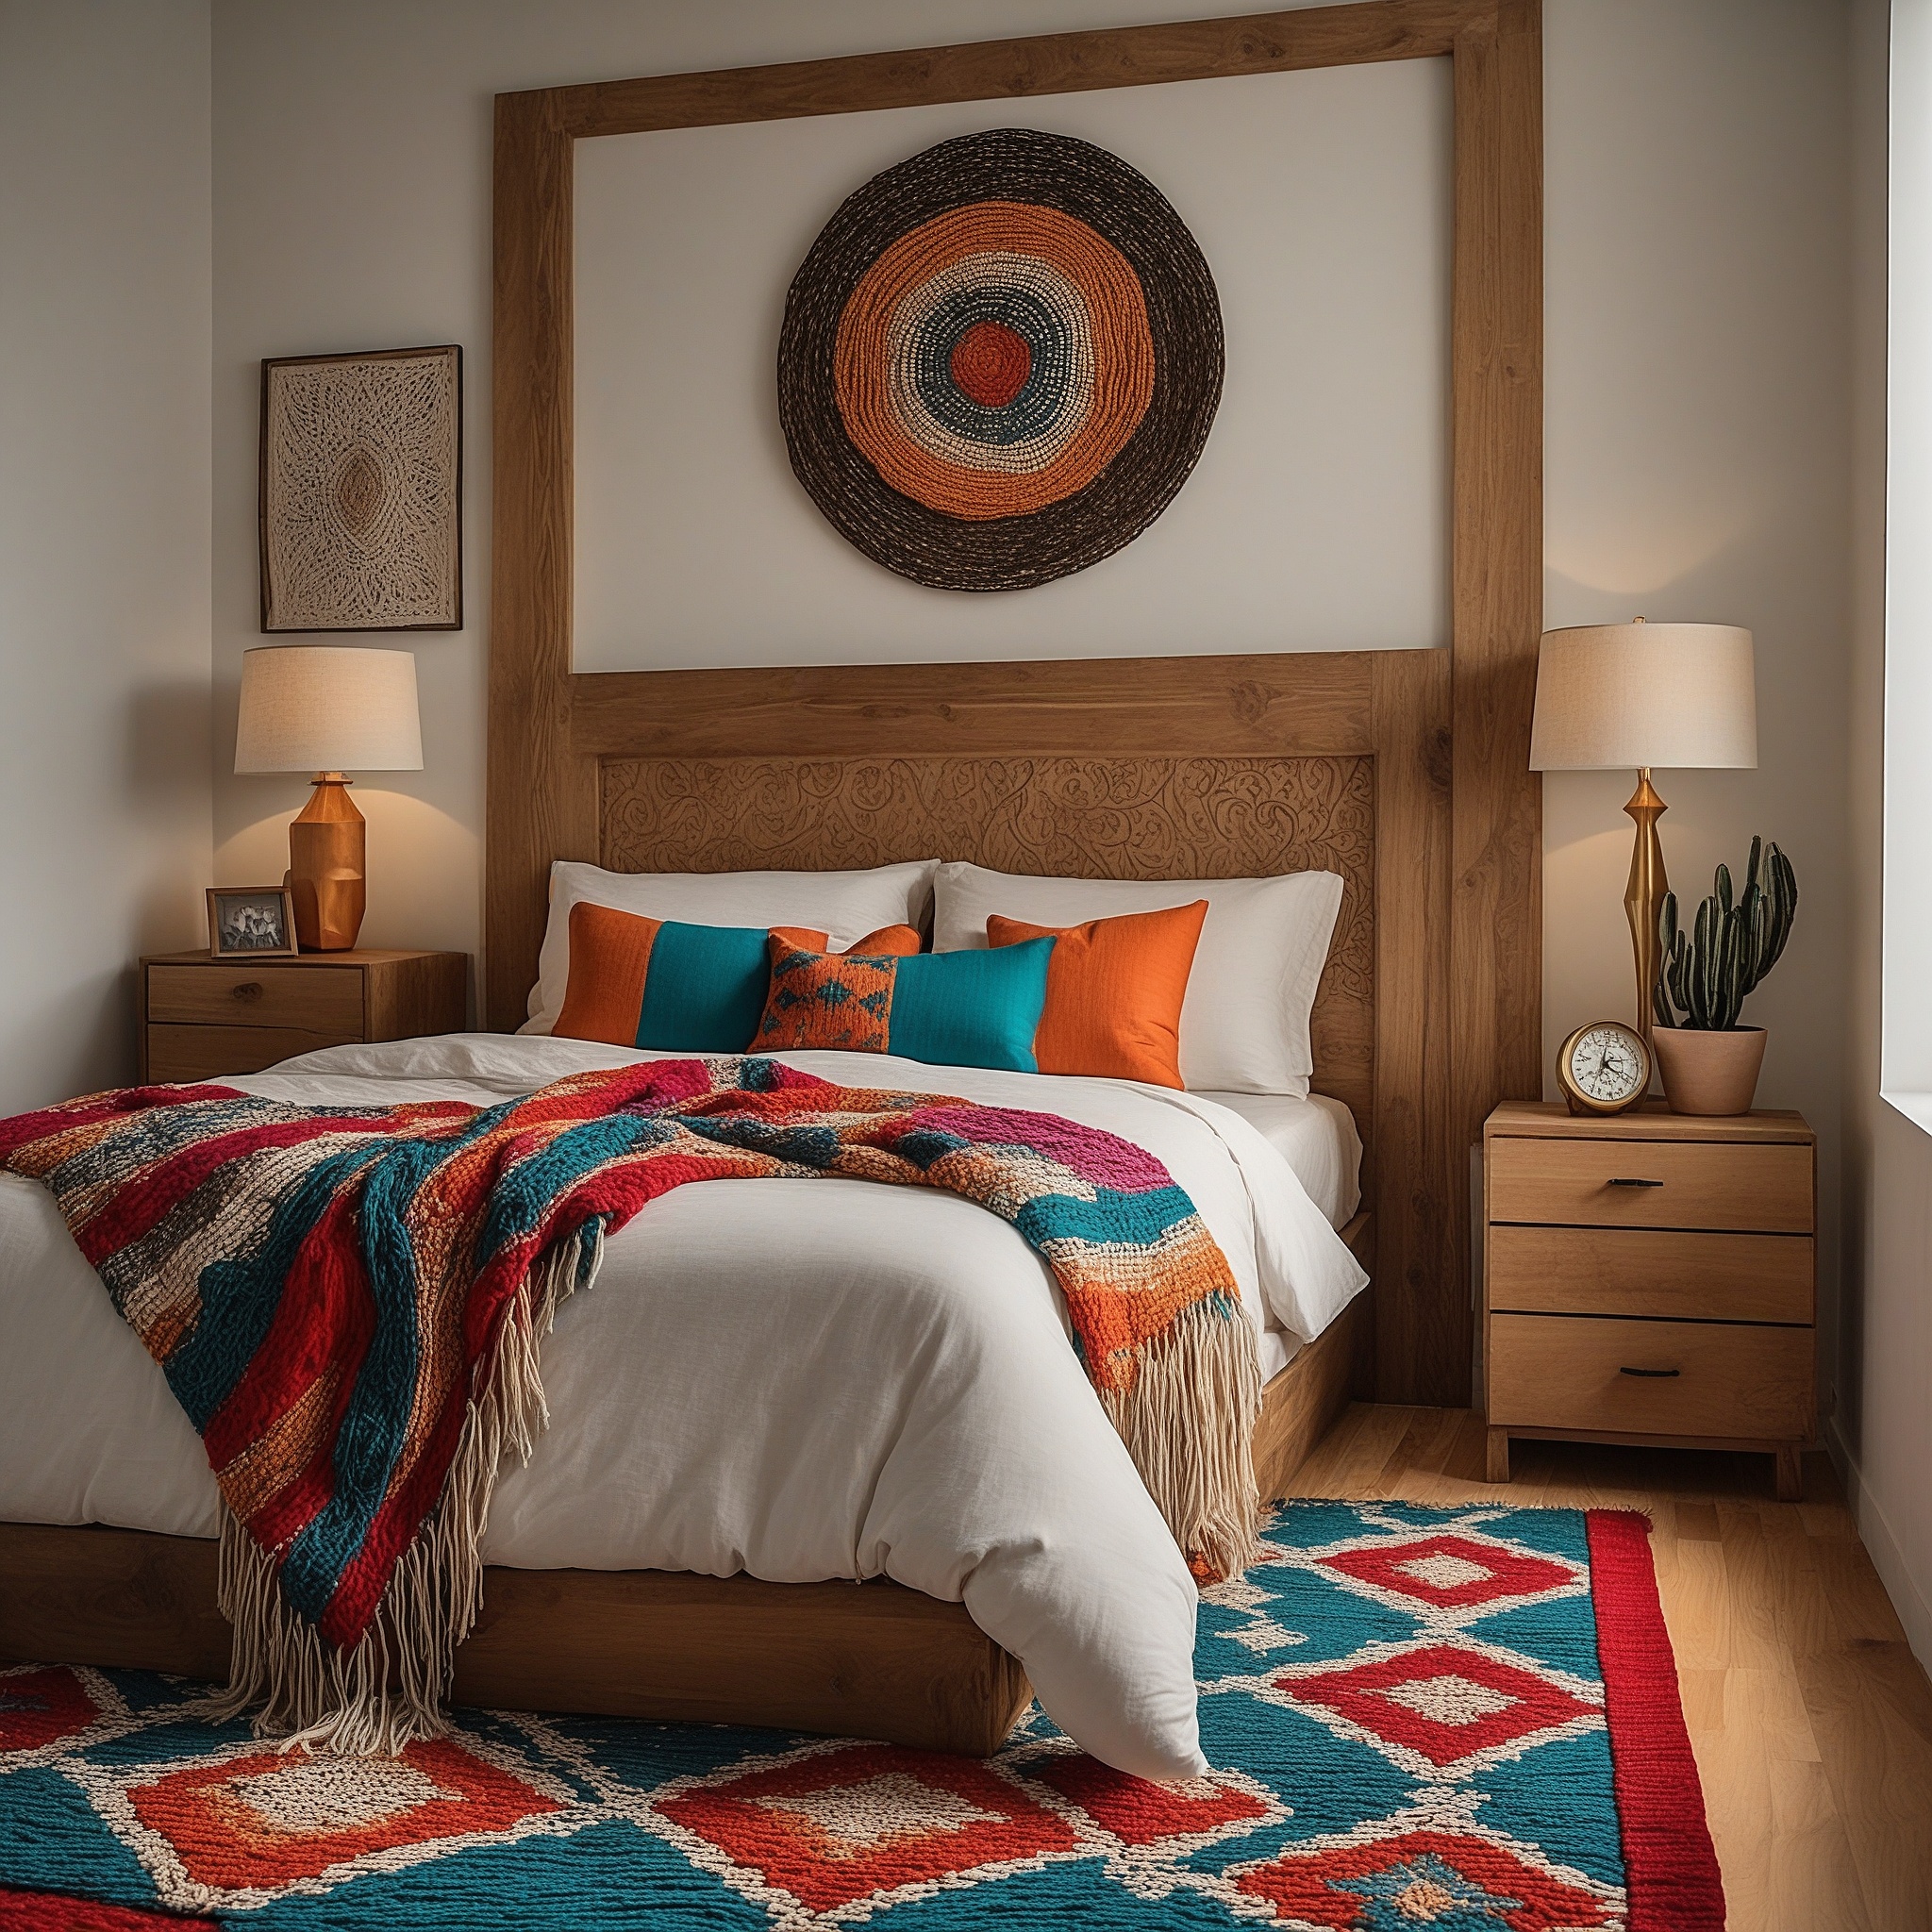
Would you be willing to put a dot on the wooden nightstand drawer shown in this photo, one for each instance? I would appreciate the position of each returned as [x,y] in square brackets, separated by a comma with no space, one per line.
[326,999]
[1696,1378]
[208,1053]
[1657,1271]
[1647,1277]
[203,1019]
[1761,1188]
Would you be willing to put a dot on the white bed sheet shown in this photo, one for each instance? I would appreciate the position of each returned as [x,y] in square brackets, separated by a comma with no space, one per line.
[1317,1136]
[801,1379]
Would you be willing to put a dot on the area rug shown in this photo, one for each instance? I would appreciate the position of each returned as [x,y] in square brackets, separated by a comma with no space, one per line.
[1463,1720]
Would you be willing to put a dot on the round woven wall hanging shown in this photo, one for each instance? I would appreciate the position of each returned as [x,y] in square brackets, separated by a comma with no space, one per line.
[1000,360]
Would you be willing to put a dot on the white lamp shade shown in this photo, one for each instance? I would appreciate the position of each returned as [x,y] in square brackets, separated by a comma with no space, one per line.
[323,709]
[1667,695]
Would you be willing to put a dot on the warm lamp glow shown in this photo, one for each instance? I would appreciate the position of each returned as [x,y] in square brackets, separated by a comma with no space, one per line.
[1612,696]
[1630,695]
[327,711]
[323,709]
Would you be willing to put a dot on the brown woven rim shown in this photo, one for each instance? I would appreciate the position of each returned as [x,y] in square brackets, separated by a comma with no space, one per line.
[977,552]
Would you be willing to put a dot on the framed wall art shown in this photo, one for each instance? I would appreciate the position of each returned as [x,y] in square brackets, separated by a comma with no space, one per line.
[361,490]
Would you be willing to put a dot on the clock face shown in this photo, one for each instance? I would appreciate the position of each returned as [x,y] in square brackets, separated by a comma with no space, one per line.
[1608,1063]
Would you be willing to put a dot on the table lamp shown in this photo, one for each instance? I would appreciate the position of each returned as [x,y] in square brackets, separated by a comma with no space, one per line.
[327,711]
[1613,695]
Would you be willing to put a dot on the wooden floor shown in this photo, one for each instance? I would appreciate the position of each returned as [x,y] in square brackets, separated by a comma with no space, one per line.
[1810,1718]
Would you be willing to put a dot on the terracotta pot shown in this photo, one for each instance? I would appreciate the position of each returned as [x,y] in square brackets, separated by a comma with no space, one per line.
[1708,1073]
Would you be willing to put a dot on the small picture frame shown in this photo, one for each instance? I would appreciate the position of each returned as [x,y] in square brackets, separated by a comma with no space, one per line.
[251,923]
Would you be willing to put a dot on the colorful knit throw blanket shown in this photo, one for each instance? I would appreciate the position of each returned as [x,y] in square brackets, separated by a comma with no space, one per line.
[348,1303]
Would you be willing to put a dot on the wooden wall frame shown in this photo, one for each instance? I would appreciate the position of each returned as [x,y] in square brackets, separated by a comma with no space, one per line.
[550,725]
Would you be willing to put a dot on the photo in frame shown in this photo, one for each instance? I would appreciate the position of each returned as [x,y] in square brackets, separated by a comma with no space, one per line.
[251,923]
[361,490]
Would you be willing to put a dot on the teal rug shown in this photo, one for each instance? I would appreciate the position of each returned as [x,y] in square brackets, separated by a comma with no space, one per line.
[1464,1720]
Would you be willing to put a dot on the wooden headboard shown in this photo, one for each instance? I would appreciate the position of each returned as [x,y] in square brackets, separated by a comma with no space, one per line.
[1405,771]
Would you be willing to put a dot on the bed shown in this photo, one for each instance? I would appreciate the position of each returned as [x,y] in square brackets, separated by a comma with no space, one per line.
[1401,770]
[602,1593]
[798,1381]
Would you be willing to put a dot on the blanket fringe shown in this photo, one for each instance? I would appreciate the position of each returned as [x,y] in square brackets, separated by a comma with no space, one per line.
[1189,1423]
[388,1689]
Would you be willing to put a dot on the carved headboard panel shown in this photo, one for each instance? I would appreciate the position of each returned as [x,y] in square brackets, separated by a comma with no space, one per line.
[1123,818]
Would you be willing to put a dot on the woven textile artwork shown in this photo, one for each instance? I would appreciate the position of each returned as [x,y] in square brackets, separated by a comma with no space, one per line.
[999,361]
[1462,1718]
[362,492]
[349,1303]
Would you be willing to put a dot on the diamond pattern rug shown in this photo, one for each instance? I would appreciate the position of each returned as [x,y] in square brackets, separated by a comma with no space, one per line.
[1460,1720]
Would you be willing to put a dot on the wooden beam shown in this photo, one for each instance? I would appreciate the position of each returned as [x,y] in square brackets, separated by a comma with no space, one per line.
[1496,594]
[1422,1311]
[1308,704]
[1016,69]
[541,803]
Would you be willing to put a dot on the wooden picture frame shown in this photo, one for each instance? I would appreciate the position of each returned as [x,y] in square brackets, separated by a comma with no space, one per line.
[283,947]
[360,504]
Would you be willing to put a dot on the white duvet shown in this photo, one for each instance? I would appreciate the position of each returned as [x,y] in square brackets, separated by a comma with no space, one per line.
[799,1379]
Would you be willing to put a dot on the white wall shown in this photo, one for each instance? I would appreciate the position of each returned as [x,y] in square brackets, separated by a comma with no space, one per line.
[1329,454]
[1697,453]
[105,342]
[1882,1434]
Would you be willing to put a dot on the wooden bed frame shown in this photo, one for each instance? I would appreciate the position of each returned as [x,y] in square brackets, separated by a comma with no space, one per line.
[1406,772]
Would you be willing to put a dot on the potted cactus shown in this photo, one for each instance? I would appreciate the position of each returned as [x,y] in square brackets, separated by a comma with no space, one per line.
[1710,1063]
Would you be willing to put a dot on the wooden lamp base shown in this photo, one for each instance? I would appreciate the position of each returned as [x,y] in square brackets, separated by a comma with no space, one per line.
[327,850]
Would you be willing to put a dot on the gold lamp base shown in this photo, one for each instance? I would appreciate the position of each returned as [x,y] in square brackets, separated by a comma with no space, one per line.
[1643,897]
[327,851]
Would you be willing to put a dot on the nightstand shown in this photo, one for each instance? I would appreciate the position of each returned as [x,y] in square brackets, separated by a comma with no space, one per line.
[1648,1278]
[202,1018]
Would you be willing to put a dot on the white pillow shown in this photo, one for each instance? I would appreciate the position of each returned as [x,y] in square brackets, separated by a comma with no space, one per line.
[1244,1023]
[846,906]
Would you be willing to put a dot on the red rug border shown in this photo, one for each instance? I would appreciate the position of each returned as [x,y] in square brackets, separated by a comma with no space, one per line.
[1670,1865]
[22,1910]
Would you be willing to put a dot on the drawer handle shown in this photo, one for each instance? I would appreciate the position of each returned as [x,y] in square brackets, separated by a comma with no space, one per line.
[1625,1180]
[1649,1372]
[248,989]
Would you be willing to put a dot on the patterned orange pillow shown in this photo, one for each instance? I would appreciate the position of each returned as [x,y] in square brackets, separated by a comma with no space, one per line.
[1115,989]
[826,999]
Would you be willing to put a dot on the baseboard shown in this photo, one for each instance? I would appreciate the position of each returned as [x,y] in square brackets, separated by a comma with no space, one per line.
[1882,1546]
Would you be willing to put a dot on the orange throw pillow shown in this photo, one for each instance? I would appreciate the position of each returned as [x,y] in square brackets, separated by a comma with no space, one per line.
[1115,989]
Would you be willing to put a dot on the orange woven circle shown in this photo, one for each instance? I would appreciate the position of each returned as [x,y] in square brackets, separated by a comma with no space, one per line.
[1109,396]
[990,261]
